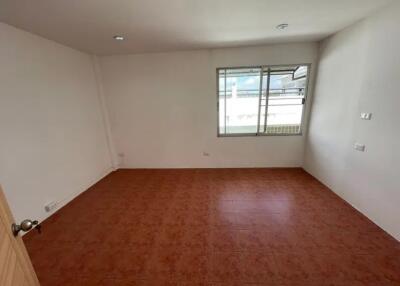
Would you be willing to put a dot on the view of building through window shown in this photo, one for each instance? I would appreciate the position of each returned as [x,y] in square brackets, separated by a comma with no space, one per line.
[261,100]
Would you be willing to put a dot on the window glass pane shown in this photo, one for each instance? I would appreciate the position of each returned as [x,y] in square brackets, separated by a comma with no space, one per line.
[285,101]
[221,101]
[300,72]
[265,100]
[239,97]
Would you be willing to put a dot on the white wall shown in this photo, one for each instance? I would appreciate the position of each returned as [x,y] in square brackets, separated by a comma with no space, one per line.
[163,109]
[359,71]
[53,142]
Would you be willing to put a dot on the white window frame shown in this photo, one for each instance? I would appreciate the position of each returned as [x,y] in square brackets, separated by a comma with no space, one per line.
[264,67]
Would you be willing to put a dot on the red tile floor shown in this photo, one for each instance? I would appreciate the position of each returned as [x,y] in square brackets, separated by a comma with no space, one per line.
[212,227]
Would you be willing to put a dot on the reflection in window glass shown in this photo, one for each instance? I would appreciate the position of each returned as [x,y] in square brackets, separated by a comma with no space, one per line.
[285,102]
[239,91]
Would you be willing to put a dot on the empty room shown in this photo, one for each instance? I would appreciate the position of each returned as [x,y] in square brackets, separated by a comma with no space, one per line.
[199,142]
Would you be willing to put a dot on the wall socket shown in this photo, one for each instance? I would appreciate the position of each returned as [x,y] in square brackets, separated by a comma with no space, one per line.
[366,116]
[359,147]
[50,206]
[206,154]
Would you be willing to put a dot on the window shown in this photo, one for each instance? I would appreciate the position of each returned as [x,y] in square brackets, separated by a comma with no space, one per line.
[264,100]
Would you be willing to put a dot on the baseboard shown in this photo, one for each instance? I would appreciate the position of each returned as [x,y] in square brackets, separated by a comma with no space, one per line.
[206,167]
[72,196]
[61,203]
[353,206]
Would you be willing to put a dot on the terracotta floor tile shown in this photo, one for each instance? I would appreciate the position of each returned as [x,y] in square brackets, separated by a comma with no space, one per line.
[171,236]
[212,227]
[292,268]
[164,262]
[193,265]
[253,239]
[68,280]
[224,267]
[224,239]
[259,267]
[198,237]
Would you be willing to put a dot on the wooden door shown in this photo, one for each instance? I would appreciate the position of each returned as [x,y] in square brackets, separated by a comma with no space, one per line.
[15,266]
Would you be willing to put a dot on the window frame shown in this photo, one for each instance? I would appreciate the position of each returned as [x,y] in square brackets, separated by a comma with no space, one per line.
[257,134]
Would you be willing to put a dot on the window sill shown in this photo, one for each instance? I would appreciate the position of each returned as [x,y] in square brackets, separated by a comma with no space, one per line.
[258,135]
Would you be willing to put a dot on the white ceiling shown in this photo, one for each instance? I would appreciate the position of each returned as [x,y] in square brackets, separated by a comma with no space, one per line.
[168,25]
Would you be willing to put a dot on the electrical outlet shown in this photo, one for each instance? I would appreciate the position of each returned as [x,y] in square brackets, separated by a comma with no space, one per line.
[50,206]
[366,116]
[359,147]
[206,154]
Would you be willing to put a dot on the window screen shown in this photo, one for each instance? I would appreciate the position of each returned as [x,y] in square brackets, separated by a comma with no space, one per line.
[265,100]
